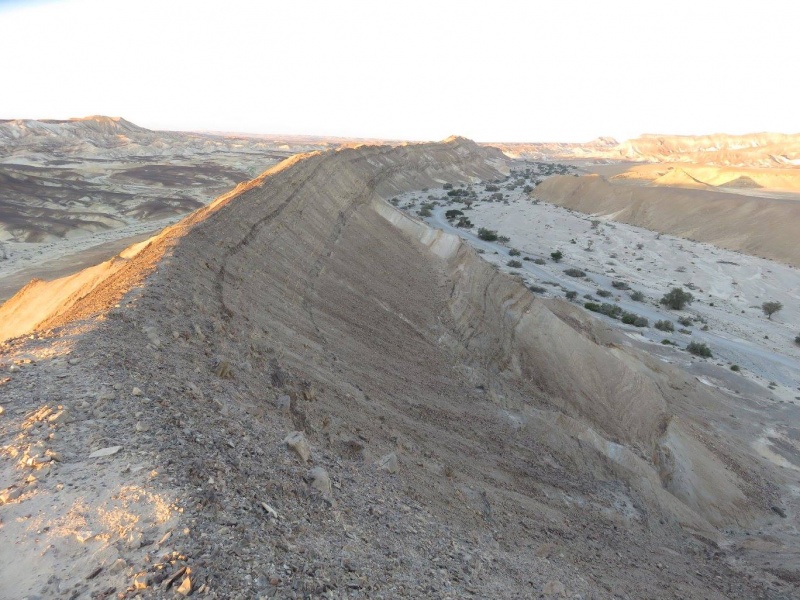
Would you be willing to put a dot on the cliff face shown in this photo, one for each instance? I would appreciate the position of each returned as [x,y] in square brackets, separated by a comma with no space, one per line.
[303,301]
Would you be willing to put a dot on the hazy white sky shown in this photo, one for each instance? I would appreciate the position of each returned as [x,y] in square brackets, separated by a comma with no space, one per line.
[496,70]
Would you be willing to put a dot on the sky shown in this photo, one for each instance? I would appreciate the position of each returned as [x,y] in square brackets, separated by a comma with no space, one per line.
[498,70]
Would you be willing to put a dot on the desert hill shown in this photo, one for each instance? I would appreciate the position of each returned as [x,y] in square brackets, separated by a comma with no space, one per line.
[62,179]
[766,150]
[761,226]
[298,390]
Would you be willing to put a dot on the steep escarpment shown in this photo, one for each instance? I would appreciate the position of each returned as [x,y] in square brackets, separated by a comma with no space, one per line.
[464,437]
[760,226]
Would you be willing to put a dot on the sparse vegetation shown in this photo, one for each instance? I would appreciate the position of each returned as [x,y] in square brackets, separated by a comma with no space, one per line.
[664,325]
[735,368]
[539,261]
[572,294]
[487,235]
[620,285]
[603,293]
[503,239]
[424,212]
[556,256]
[699,349]
[537,289]
[677,299]
[770,308]
[453,213]
[637,296]
[686,321]
[573,272]
[514,252]
[514,264]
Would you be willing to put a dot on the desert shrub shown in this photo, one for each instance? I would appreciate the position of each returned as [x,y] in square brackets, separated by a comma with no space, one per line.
[491,188]
[641,322]
[514,264]
[556,256]
[453,213]
[667,342]
[699,349]
[620,285]
[628,318]
[610,310]
[735,368]
[664,325]
[395,201]
[592,306]
[514,252]
[685,321]
[527,189]
[637,296]
[424,212]
[539,261]
[686,331]
[571,295]
[464,222]
[537,289]
[503,239]
[447,186]
[677,299]
[797,339]
[572,272]
[487,235]
[603,293]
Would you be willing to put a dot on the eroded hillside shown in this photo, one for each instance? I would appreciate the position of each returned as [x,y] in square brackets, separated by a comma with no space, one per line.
[464,437]
[761,226]
[768,150]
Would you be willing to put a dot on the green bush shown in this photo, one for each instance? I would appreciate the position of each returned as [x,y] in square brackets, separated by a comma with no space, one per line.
[686,321]
[514,264]
[610,310]
[603,293]
[539,261]
[735,368]
[503,239]
[664,325]
[556,256]
[453,213]
[592,306]
[487,235]
[641,322]
[572,272]
[424,212]
[620,285]
[797,339]
[677,299]
[537,289]
[628,318]
[571,295]
[699,349]
[637,296]
[514,252]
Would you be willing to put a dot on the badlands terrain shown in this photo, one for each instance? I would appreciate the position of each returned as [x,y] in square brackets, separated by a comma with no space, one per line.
[307,389]
[69,186]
